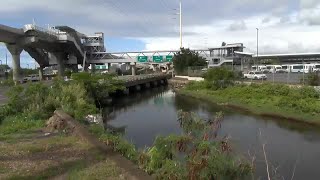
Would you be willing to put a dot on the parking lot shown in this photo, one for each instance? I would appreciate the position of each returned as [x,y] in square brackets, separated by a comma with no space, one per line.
[289,78]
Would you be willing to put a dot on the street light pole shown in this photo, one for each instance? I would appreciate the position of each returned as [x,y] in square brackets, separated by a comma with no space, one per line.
[257,45]
[28,66]
[180,24]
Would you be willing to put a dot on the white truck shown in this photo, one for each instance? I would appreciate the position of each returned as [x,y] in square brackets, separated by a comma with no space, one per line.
[255,75]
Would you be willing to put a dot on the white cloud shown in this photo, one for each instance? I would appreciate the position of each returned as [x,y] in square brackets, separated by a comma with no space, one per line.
[284,24]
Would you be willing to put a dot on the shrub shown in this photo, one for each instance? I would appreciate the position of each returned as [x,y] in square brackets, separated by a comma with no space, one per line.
[313,79]
[220,77]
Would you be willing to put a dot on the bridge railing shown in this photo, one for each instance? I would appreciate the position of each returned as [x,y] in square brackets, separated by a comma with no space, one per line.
[52,32]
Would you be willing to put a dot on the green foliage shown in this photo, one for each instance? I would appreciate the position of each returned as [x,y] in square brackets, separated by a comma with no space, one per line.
[38,101]
[313,79]
[269,97]
[219,78]
[99,86]
[185,58]
[194,155]
[8,83]
[14,124]
[120,145]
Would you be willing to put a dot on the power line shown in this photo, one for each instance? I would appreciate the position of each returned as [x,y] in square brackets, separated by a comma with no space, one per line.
[123,13]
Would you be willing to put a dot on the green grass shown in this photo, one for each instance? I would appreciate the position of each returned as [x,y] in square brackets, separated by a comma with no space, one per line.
[19,124]
[102,170]
[269,100]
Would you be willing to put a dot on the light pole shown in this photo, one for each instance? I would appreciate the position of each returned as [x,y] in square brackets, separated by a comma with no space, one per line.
[257,46]
[28,66]
[180,23]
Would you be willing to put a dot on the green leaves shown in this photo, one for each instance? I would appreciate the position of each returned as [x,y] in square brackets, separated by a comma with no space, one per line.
[186,58]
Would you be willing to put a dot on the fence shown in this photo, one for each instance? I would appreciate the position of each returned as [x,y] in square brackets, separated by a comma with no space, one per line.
[196,71]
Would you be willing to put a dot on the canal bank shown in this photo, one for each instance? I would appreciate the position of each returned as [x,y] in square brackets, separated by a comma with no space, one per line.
[141,120]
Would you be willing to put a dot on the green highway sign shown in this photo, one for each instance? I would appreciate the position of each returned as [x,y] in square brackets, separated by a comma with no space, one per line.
[142,58]
[157,59]
[169,58]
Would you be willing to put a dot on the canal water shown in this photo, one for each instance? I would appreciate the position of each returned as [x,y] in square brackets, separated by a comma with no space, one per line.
[289,146]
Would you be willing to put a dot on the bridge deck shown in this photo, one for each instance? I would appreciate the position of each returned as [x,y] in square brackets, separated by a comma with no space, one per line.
[142,79]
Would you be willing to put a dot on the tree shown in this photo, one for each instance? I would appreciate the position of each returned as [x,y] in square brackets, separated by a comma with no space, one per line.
[186,58]
[4,67]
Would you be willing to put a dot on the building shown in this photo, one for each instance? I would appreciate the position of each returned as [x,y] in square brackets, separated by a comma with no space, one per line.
[226,55]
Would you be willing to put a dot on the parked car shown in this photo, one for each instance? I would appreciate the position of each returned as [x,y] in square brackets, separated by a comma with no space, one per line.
[32,78]
[255,75]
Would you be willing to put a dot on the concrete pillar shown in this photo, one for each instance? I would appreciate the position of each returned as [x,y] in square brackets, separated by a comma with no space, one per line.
[15,52]
[133,68]
[41,73]
[59,59]
[109,67]
[93,68]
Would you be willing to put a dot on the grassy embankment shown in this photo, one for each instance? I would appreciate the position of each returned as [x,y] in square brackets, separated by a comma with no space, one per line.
[27,152]
[279,101]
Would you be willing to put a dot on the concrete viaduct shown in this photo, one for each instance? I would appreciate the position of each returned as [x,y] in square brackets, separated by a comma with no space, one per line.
[66,47]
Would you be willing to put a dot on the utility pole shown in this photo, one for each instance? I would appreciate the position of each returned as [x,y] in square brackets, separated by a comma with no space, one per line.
[257,46]
[180,24]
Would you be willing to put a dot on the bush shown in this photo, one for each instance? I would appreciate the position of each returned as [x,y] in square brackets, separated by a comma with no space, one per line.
[98,86]
[220,77]
[39,101]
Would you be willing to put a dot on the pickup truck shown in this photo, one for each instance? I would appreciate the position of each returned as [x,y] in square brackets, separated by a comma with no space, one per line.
[255,75]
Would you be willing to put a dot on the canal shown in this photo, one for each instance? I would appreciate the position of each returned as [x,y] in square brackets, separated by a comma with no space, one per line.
[146,115]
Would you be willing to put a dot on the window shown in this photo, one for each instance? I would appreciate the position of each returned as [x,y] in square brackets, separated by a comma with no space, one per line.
[284,67]
[317,66]
[297,67]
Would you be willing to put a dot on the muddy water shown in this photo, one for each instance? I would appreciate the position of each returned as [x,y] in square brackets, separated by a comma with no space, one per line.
[143,116]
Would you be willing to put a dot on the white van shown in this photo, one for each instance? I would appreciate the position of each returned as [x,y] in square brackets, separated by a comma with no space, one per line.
[273,68]
[316,68]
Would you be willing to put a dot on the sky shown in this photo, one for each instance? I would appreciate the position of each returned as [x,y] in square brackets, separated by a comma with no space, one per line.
[285,26]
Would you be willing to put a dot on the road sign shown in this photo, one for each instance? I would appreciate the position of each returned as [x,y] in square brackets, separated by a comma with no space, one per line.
[157,59]
[142,58]
[169,58]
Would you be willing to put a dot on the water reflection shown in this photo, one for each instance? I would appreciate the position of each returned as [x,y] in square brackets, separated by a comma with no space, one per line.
[143,116]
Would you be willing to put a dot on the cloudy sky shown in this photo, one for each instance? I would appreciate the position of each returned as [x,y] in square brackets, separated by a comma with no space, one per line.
[286,26]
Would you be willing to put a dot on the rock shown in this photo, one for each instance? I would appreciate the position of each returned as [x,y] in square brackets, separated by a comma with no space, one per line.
[94,119]
[55,124]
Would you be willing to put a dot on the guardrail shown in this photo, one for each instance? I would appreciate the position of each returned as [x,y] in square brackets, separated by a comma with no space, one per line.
[53,32]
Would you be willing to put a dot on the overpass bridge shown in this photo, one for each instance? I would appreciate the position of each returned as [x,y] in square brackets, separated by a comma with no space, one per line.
[64,46]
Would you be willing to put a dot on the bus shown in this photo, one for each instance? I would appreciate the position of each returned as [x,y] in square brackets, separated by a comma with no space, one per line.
[301,68]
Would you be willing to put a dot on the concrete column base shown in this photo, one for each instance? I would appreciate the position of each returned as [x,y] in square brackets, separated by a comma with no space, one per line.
[41,73]
[15,52]
[133,68]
